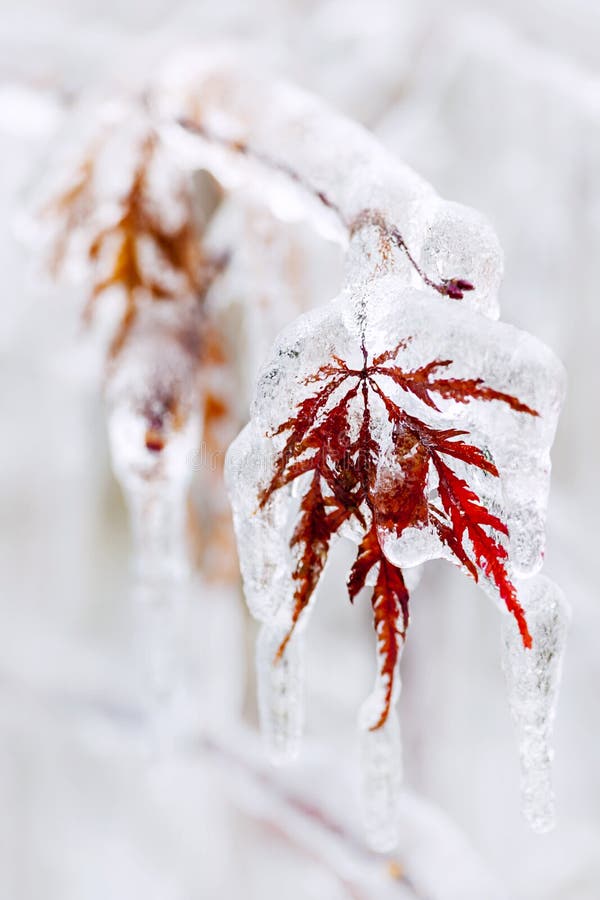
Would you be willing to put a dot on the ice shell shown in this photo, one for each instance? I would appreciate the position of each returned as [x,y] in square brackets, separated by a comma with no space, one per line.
[436,328]
[261,533]
[460,242]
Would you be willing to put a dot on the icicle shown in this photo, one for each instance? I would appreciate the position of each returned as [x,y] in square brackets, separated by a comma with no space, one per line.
[157,516]
[263,547]
[532,678]
[152,450]
[381,761]
[280,685]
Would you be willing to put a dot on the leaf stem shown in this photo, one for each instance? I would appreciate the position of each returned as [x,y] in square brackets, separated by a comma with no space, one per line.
[454,288]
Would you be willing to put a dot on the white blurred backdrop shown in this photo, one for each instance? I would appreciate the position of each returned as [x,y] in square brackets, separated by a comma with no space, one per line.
[497,103]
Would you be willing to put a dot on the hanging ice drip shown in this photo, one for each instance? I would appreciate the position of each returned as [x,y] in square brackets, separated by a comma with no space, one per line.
[532,679]
[154,430]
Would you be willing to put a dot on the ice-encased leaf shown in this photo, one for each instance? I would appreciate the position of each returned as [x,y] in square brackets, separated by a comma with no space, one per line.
[510,360]
[391,393]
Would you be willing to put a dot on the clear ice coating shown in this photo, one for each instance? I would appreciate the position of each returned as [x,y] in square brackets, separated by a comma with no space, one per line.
[532,679]
[395,295]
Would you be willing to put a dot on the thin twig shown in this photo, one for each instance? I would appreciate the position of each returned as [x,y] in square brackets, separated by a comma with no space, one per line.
[454,288]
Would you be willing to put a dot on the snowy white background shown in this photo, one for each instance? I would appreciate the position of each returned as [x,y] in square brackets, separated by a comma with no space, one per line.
[498,105]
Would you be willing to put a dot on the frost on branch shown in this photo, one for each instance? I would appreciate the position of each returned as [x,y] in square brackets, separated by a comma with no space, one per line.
[305,161]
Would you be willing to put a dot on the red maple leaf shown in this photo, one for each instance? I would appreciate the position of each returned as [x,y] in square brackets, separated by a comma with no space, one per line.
[179,251]
[343,459]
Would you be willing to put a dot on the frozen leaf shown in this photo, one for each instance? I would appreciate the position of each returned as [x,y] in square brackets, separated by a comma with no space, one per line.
[405,422]
[124,219]
[381,443]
